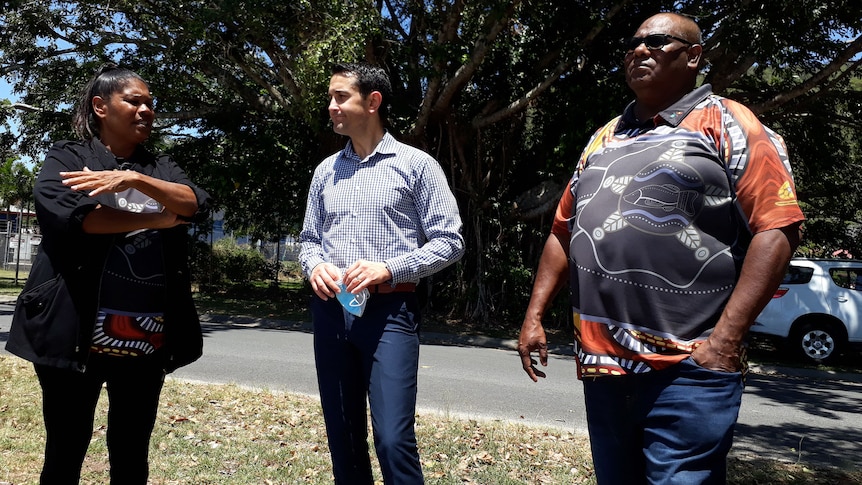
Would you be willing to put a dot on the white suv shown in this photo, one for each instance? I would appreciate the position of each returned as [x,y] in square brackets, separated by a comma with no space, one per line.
[817,308]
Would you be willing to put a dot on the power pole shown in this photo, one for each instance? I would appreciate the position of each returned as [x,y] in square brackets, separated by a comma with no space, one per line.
[20,242]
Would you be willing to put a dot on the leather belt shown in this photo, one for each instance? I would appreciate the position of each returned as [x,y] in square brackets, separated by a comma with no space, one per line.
[384,288]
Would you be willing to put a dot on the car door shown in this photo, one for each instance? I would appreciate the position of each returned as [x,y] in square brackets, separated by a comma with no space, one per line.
[845,299]
[801,292]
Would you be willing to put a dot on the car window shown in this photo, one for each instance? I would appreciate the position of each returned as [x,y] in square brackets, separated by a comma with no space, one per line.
[797,275]
[850,278]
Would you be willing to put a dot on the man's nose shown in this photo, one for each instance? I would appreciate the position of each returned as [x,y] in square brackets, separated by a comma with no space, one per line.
[641,49]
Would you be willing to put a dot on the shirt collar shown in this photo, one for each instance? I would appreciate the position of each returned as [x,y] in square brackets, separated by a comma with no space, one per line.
[140,155]
[386,146]
[672,115]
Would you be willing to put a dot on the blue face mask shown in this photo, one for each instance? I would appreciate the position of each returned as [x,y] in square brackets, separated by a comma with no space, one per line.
[355,304]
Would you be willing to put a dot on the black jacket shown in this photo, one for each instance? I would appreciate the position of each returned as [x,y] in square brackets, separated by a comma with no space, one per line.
[56,312]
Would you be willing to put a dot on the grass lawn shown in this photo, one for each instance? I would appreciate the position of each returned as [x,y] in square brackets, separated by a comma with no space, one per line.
[8,286]
[225,434]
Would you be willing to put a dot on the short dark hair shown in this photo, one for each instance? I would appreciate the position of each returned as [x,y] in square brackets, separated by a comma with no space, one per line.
[368,78]
[107,80]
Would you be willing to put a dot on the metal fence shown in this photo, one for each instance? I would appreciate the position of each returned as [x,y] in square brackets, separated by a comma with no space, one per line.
[18,249]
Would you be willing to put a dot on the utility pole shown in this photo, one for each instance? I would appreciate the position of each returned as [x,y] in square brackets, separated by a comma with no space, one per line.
[18,249]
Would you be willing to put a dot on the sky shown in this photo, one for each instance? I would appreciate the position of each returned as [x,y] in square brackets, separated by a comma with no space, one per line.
[6,90]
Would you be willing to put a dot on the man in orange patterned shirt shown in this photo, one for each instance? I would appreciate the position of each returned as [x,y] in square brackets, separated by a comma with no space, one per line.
[673,234]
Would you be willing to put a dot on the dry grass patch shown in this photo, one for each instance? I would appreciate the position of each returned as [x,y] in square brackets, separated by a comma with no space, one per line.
[217,434]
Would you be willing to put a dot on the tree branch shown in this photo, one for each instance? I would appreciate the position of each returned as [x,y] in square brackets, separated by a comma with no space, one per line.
[26,107]
[284,73]
[480,50]
[393,20]
[562,67]
[520,104]
[811,83]
[448,32]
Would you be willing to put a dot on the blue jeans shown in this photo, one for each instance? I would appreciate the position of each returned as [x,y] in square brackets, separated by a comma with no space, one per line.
[69,401]
[673,426]
[374,357]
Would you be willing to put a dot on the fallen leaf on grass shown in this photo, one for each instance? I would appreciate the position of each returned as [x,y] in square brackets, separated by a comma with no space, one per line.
[484,457]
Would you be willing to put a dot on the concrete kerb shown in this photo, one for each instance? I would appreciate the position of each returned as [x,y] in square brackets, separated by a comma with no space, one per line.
[816,374]
[428,338]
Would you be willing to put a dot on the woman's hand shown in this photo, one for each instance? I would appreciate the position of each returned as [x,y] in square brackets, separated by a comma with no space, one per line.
[111,181]
[177,197]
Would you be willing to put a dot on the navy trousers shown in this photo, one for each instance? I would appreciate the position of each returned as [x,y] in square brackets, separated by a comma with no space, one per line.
[667,427]
[373,357]
[69,402]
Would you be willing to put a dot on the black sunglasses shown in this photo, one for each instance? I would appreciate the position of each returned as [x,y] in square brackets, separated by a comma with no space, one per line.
[654,42]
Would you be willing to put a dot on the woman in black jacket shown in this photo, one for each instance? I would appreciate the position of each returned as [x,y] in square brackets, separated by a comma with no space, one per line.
[108,300]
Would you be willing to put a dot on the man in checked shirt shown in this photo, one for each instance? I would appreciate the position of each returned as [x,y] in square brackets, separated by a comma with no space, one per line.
[380,216]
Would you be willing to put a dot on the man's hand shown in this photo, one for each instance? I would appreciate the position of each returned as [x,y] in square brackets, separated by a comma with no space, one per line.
[551,277]
[362,274]
[533,338]
[718,357]
[762,272]
[324,280]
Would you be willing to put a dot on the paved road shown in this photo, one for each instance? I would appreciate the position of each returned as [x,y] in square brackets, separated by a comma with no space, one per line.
[814,417]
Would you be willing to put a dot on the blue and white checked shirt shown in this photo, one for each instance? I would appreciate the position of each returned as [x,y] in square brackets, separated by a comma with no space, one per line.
[393,207]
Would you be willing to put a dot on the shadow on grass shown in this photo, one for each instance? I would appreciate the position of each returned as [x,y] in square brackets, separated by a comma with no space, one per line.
[757,471]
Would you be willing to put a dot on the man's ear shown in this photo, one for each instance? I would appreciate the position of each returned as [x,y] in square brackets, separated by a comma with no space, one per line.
[695,56]
[375,99]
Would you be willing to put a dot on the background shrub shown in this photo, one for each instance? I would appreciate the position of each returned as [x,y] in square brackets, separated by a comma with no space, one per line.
[227,263]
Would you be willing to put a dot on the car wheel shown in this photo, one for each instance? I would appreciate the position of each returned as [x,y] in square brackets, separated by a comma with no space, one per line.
[817,343]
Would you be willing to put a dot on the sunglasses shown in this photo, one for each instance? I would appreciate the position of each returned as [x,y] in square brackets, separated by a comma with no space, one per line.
[654,42]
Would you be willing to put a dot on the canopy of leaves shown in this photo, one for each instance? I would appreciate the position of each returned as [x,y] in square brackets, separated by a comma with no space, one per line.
[16,184]
[503,93]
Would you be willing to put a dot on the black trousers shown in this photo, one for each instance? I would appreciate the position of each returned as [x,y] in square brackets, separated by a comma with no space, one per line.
[69,401]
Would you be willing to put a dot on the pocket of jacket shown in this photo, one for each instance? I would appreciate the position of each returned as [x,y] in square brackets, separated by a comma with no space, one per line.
[48,317]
